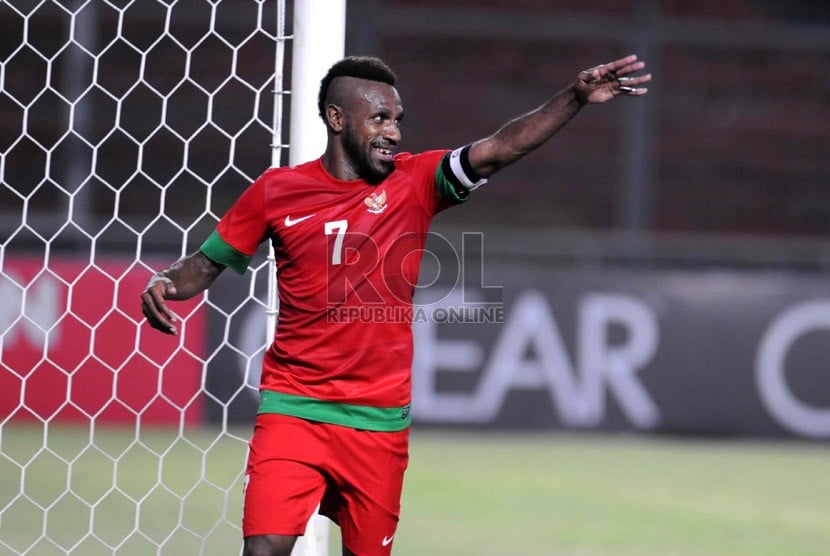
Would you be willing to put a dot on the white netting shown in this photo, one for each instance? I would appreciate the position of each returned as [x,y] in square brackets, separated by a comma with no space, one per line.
[127,127]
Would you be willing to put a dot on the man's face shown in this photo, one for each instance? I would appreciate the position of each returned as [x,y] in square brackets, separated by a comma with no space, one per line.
[371,132]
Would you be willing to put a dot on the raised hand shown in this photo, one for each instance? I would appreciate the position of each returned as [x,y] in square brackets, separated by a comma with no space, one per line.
[608,81]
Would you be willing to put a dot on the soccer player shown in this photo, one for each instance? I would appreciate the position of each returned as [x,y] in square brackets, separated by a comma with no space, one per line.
[347,230]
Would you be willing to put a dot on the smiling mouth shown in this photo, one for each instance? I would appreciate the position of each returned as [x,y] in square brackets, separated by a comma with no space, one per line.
[384,152]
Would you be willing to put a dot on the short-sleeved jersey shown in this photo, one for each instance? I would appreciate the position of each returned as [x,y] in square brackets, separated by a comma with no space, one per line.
[348,255]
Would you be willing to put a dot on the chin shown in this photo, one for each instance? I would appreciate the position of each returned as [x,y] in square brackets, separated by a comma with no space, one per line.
[387,168]
[378,173]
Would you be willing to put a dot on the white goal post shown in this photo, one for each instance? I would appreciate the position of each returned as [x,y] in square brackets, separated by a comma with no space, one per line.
[320,44]
[127,127]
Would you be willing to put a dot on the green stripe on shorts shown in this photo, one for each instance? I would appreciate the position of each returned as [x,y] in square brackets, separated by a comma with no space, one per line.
[382,419]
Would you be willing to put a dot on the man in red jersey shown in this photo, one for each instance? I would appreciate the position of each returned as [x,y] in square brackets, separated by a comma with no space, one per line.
[348,230]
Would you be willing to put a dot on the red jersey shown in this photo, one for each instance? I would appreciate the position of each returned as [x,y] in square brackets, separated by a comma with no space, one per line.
[348,255]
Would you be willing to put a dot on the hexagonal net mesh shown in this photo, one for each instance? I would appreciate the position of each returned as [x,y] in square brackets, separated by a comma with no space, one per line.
[128,127]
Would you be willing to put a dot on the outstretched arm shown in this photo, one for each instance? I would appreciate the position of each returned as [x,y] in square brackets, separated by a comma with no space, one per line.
[520,136]
[184,279]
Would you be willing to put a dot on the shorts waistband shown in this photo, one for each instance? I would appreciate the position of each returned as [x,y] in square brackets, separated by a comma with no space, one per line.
[382,419]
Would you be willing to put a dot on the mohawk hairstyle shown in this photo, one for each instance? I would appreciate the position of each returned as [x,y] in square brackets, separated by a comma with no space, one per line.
[361,67]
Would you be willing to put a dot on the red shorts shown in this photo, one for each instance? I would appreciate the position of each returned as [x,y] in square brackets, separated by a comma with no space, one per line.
[356,476]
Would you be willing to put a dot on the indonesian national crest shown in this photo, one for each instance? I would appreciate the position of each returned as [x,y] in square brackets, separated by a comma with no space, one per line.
[376,202]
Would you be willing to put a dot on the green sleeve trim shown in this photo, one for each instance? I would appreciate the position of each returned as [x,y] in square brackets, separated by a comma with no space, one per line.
[219,251]
[381,419]
[447,186]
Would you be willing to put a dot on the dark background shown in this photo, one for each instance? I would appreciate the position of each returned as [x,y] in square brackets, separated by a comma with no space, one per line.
[136,135]
[725,160]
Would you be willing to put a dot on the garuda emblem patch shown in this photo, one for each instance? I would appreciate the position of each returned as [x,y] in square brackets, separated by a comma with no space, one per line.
[376,202]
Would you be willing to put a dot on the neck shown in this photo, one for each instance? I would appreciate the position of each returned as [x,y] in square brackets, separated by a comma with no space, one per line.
[337,165]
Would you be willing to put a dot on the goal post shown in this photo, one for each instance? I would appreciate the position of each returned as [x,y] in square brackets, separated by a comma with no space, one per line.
[319,41]
[126,129]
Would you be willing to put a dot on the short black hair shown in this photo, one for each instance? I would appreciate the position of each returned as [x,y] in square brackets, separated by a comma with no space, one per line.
[361,67]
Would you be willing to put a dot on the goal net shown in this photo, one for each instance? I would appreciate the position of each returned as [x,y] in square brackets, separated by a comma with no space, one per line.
[128,127]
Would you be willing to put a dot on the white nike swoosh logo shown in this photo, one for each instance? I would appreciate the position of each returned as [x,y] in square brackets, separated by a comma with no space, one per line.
[387,540]
[289,222]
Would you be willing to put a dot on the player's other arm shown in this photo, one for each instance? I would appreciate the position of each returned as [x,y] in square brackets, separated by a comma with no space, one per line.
[521,135]
[185,278]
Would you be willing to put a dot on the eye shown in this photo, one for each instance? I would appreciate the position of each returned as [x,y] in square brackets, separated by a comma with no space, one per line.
[378,119]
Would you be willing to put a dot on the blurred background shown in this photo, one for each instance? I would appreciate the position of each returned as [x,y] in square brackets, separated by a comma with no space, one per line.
[726,157]
[128,128]
[660,267]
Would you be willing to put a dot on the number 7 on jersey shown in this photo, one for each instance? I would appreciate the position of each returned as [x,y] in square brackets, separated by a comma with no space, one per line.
[339,227]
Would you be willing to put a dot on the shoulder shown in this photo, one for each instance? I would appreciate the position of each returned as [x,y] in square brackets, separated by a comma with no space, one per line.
[277,173]
[409,162]
[426,156]
[281,181]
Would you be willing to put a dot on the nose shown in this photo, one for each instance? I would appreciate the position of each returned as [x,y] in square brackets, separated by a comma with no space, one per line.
[392,133]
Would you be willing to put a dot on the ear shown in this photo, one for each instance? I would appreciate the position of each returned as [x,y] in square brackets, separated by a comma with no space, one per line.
[334,117]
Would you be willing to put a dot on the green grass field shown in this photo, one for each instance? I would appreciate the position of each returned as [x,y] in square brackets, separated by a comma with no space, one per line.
[465,494]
